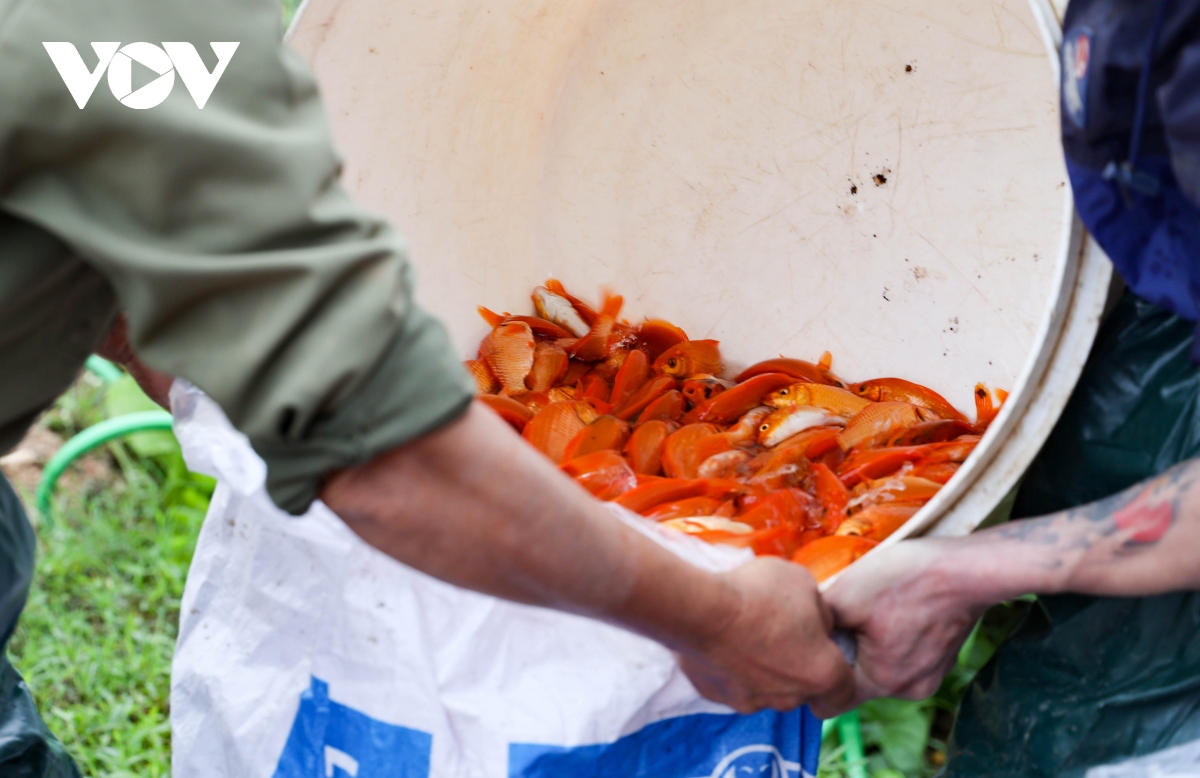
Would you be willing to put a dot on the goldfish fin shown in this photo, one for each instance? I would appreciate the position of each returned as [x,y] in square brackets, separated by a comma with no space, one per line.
[612,305]
[491,317]
[985,408]
[585,311]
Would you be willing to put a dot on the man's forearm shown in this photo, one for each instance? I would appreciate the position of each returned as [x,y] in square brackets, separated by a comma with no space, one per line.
[913,605]
[475,506]
[1144,540]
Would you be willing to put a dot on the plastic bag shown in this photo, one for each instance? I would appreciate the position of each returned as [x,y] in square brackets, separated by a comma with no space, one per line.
[1087,681]
[305,652]
[1178,762]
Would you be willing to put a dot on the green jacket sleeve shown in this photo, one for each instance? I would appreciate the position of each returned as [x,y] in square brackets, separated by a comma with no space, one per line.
[238,259]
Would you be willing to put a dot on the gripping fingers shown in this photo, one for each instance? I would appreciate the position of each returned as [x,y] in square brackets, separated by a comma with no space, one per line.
[837,693]
[921,689]
[924,686]
[828,688]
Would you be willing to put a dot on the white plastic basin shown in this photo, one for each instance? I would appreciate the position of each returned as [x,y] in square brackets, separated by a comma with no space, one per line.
[882,180]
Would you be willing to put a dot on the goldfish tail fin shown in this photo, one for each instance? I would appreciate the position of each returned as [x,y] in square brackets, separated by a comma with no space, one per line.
[985,408]
[491,317]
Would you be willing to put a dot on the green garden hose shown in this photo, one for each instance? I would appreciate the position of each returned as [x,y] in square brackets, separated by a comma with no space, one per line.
[851,736]
[87,440]
[103,369]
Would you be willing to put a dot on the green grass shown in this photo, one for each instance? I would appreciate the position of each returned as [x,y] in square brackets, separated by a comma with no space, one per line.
[289,10]
[96,638]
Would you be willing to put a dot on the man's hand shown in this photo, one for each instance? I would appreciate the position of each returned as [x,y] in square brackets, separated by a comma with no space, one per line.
[914,604]
[474,505]
[776,653]
[910,619]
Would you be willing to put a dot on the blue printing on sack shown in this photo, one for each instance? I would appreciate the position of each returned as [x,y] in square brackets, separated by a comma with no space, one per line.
[331,740]
[765,745]
[335,741]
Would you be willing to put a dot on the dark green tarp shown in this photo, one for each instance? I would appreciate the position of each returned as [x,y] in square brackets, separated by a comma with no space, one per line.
[1085,681]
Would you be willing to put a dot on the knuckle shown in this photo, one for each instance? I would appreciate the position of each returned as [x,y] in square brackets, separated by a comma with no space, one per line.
[884,684]
[802,577]
[920,689]
[743,704]
[830,675]
[714,695]
[827,685]
[826,708]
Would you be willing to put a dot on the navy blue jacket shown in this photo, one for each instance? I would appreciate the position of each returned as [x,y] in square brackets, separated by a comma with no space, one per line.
[1131,134]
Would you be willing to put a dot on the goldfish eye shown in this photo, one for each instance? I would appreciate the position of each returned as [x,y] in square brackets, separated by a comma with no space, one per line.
[764,428]
[671,363]
[783,392]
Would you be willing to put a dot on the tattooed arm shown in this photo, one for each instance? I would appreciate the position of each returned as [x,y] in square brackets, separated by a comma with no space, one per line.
[913,605]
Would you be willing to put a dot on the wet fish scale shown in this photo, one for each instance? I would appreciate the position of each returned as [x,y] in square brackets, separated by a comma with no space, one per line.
[508,351]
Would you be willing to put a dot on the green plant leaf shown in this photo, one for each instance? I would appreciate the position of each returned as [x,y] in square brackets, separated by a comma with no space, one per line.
[899,730]
[125,396]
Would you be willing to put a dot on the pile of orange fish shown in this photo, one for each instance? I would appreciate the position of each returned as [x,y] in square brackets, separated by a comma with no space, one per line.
[786,458]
